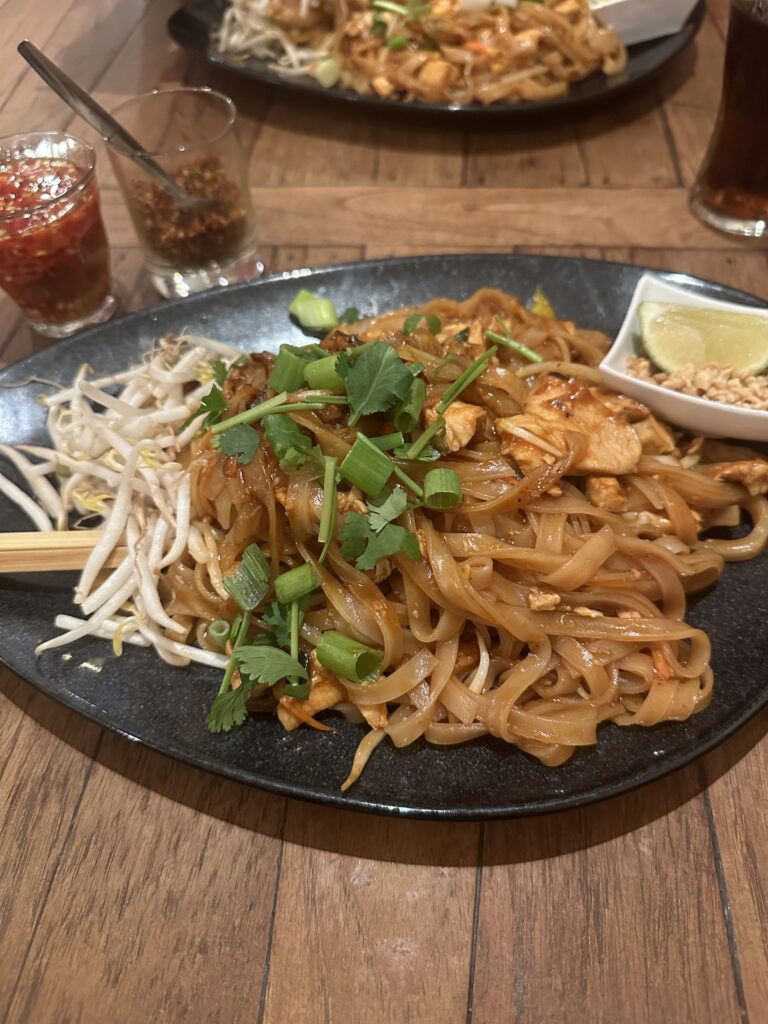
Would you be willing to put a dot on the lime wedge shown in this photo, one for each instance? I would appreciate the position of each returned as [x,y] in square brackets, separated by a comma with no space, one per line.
[676,336]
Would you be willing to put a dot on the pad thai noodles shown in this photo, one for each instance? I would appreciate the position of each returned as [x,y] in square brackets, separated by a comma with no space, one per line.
[435,521]
[445,51]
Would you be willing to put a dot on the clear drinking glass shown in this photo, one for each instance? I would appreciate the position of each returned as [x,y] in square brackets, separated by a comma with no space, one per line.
[731,191]
[54,257]
[192,134]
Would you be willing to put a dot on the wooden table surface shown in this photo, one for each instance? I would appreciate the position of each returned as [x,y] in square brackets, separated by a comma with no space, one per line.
[134,888]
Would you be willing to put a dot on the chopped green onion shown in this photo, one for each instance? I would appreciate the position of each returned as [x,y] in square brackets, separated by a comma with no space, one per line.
[442,488]
[294,687]
[462,337]
[410,11]
[327,72]
[288,371]
[425,437]
[256,413]
[378,26]
[412,322]
[427,454]
[443,362]
[388,441]
[249,584]
[313,312]
[406,414]
[348,658]
[330,504]
[322,373]
[471,373]
[242,632]
[517,346]
[366,467]
[219,631]
[396,43]
[295,583]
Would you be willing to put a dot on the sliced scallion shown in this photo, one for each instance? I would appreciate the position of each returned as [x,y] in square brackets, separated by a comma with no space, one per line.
[295,583]
[250,415]
[348,658]
[314,313]
[396,43]
[406,414]
[425,437]
[327,72]
[330,504]
[470,374]
[366,467]
[516,346]
[219,632]
[442,489]
[388,441]
[288,371]
[249,584]
[322,373]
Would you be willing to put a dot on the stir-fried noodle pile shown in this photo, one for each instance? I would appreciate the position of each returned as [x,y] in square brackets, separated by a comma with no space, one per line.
[544,595]
[446,51]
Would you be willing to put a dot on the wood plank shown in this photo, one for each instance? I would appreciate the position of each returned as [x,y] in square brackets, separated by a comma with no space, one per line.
[524,157]
[47,752]
[301,144]
[84,46]
[19,21]
[627,145]
[484,217]
[384,913]
[161,905]
[736,772]
[600,914]
[409,152]
[746,269]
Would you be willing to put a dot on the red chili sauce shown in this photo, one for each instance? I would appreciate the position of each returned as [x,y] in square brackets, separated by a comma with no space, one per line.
[54,260]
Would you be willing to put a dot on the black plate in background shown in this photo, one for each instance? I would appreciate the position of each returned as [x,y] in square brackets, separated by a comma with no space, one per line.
[191,26]
[163,707]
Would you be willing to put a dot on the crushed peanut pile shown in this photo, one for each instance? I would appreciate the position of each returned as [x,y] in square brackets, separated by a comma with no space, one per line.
[718,383]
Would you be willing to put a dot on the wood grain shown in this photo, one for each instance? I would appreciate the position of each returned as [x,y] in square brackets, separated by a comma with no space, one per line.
[135,889]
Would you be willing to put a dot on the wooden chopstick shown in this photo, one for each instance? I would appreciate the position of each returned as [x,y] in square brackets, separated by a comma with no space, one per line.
[51,550]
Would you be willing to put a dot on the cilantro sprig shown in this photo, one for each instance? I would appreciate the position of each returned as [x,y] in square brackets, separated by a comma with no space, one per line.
[367,538]
[258,665]
[375,380]
[241,440]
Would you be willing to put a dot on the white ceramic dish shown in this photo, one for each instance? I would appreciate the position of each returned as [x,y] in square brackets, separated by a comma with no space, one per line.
[698,415]
[636,21]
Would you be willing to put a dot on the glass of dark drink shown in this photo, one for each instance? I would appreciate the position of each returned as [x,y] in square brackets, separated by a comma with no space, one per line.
[731,191]
[54,258]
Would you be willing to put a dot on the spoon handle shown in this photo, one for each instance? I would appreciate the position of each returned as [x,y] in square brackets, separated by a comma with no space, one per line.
[86,106]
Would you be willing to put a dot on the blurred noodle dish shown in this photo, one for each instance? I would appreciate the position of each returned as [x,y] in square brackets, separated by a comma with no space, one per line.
[446,51]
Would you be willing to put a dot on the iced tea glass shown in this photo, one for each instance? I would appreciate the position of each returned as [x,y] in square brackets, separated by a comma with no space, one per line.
[192,133]
[731,191]
[54,258]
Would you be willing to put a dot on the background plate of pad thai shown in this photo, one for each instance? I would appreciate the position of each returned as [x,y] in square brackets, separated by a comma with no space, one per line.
[195,25]
[165,706]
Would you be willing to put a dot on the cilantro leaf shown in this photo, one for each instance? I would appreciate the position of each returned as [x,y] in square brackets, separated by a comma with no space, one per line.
[375,381]
[412,322]
[351,314]
[393,506]
[354,535]
[388,541]
[219,371]
[241,440]
[258,664]
[290,444]
[462,337]
[278,616]
[214,405]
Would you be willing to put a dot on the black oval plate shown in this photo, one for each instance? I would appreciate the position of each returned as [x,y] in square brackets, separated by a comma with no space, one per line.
[191,27]
[141,697]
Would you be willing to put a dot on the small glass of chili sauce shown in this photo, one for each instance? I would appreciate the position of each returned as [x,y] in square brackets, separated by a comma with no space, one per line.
[54,258]
[192,133]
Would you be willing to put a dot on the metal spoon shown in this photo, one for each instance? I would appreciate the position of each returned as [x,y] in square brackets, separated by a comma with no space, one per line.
[111,131]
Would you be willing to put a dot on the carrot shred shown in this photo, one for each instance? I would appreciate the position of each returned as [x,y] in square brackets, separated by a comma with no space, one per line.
[296,707]
[475,46]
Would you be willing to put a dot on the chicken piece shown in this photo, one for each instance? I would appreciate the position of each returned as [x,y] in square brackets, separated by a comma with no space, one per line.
[752,473]
[655,438]
[325,691]
[606,492]
[352,501]
[436,75]
[556,405]
[542,600]
[382,85]
[622,405]
[461,422]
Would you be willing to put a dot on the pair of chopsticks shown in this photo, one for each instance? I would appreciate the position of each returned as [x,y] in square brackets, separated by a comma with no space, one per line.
[51,550]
